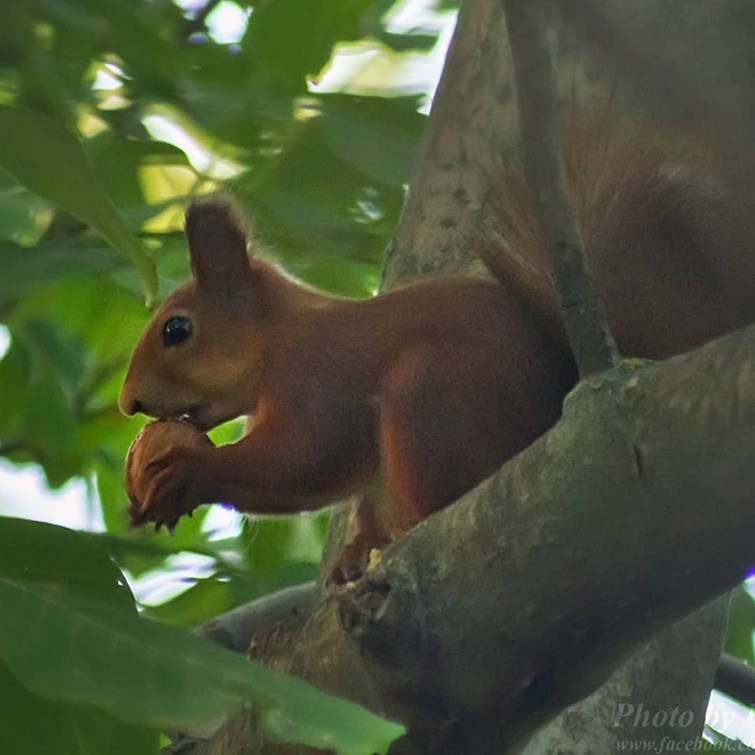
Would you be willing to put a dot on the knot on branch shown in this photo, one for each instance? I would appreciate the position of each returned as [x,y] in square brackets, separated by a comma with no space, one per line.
[383,617]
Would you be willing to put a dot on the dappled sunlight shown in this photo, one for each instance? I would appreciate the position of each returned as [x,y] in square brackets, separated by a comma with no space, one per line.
[24,493]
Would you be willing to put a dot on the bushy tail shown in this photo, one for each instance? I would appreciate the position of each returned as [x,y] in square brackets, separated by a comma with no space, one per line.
[668,223]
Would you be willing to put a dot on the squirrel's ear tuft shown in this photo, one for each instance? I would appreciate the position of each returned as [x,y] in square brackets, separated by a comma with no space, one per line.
[217,248]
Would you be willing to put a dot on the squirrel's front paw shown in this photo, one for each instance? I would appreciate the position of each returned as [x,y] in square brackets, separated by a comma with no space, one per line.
[161,469]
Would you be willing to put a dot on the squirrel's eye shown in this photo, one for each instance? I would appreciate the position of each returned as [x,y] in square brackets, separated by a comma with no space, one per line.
[176,330]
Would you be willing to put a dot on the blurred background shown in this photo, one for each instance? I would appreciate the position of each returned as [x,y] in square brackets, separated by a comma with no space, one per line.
[310,112]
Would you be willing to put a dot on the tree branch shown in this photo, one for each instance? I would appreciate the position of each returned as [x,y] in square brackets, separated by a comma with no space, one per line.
[287,608]
[736,679]
[586,327]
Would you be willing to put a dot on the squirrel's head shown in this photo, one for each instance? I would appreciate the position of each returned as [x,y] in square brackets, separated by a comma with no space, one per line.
[200,354]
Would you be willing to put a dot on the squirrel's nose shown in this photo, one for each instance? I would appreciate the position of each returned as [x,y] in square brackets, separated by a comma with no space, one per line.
[128,404]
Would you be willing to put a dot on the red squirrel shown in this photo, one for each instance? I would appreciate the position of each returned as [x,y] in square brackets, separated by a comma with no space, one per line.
[407,400]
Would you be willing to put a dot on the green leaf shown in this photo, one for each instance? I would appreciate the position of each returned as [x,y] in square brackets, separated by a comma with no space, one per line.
[24,267]
[65,563]
[73,636]
[106,317]
[295,38]
[88,653]
[45,426]
[202,601]
[322,213]
[378,135]
[152,550]
[63,353]
[15,373]
[68,729]
[267,541]
[50,161]
[20,212]
[37,418]
[740,626]
[118,162]
[62,560]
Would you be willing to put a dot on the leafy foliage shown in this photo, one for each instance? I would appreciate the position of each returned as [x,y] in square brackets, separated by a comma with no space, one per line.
[49,160]
[63,566]
[112,114]
[74,637]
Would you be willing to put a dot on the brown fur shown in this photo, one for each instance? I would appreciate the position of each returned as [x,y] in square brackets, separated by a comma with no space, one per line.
[428,389]
[668,224]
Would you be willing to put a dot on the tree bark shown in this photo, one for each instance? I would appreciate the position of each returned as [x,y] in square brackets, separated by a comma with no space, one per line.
[659,695]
